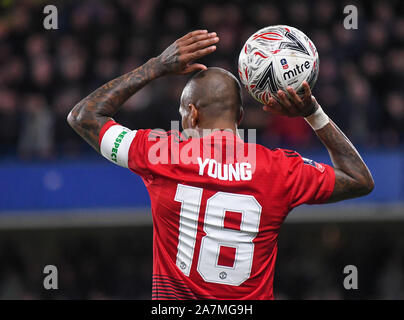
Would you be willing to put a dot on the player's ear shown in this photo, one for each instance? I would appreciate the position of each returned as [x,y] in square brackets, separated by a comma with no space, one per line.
[194,115]
[241,116]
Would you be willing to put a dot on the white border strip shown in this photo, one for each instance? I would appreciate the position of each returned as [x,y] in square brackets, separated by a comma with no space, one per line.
[76,218]
[142,216]
[347,213]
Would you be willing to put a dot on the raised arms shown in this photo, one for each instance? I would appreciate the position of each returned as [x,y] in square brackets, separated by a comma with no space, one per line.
[352,177]
[91,113]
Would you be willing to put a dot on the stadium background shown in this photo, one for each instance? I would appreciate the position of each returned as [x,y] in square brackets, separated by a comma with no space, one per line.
[62,204]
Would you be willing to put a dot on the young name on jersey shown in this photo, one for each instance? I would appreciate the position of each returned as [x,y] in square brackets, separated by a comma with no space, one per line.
[230,172]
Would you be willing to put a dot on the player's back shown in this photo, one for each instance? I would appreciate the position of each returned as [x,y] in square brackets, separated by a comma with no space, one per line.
[217,205]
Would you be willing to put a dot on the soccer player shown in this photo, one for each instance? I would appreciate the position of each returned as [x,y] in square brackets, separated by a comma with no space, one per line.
[216,219]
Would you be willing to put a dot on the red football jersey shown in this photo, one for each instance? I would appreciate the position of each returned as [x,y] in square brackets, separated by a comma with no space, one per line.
[217,205]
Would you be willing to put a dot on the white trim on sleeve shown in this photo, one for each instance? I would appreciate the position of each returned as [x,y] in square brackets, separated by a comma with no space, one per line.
[115,144]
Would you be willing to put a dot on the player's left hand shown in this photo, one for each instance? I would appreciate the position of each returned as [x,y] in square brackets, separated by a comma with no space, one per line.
[178,58]
[293,106]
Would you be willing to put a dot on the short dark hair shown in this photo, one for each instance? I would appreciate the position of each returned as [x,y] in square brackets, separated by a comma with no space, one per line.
[216,92]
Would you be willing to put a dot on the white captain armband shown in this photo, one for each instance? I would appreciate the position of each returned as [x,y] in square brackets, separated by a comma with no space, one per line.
[318,119]
[115,144]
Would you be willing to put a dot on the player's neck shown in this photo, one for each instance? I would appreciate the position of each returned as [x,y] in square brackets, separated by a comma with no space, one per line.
[207,129]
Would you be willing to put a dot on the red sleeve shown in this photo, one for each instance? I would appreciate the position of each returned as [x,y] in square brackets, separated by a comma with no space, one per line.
[138,159]
[142,151]
[104,129]
[139,150]
[149,150]
[308,182]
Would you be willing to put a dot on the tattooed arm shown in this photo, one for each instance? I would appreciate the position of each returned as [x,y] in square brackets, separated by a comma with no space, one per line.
[352,177]
[91,113]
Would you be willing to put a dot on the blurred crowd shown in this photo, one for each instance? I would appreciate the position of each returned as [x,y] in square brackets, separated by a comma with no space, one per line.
[97,264]
[116,263]
[44,73]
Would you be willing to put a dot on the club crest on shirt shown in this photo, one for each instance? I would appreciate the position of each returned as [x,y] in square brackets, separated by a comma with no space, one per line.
[314,164]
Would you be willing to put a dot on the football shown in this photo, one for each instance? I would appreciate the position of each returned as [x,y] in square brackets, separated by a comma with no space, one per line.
[274,58]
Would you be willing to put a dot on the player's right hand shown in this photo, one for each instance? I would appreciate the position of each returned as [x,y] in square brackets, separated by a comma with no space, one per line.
[178,58]
[292,105]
